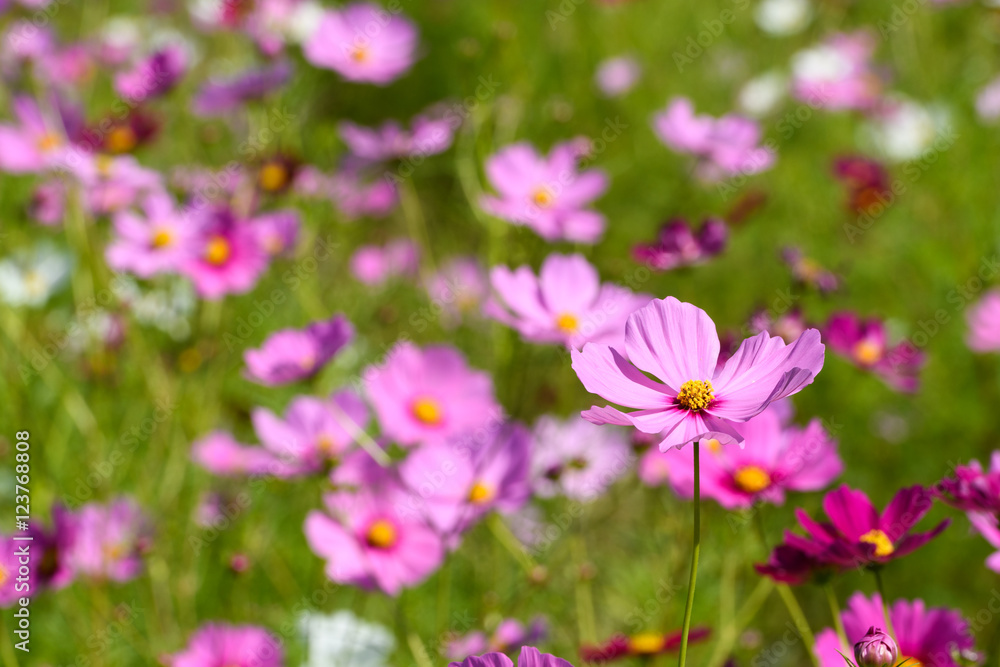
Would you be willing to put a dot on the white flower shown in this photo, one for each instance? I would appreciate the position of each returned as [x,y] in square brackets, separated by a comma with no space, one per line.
[904,130]
[762,95]
[304,20]
[30,278]
[783,17]
[342,639]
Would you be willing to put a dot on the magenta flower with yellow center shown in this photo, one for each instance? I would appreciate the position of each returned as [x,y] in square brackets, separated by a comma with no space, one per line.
[693,398]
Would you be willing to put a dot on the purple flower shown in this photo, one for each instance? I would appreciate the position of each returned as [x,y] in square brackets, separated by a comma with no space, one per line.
[230,645]
[277,232]
[876,649]
[220,454]
[576,459]
[363,42]
[227,258]
[694,400]
[679,245]
[530,657]
[864,342]
[617,76]
[153,76]
[221,97]
[106,541]
[972,489]
[509,635]
[374,265]
[548,194]
[290,355]
[428,136]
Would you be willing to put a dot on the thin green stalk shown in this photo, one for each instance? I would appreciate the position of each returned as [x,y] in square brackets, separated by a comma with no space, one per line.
[885,601]
[695,552]
[584,596]
[727,638]
[838,623]
[799,618]
[510,542]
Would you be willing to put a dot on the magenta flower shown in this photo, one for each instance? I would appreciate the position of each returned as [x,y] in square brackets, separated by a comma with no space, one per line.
[230,645]
[694,400]
[227,258]
[566,303]
[370,538]
[153,76]
[161,242]
[430,394]
[290,355]
[838,74]
[358,189]
[16,583]
[864,342]
[617,76]
[548,194]
[986,524]
[277,232]
[725,146]
[925,636]
[218,98]
[510,635]
[220,454]
[107,541]
[363,42]
[857,535]
[677,244]
[428,136]
[972,489]
[792,565]
[374,265]
[31,145]
[530,657]
[576,459]
[984,323]
[777,457]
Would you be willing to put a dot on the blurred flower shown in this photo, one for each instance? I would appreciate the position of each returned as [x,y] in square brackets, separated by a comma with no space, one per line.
[696,401]
[762,95]
[576,459]
[153,76]
[277,232]
[566,303]
[230,645]
[341,638]
[358,189]
[783,17]
[724,146]
[509,636]
[988,101]
[48,203]
[642,645]
[162,241]
[904,130]
[867,183]
[807,271]
[529,657]
[983,318]
[111,184]
[290,355]
[429,394]
[227,256]
[220,97]
[363,42]
[106,541]
[986,524]
[30,277]
[678,245]
[876,649]
[374,265]
[924,636]
[788,326]
[429,135]
[838,74]
[32,144]
[792,565]
[971,489]
[548,193]
[459,287]
[617,76]
[776,457]
[277,173]
[864,342]
[220,454]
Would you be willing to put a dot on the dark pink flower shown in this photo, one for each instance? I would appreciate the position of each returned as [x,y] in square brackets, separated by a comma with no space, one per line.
[290,355]
[227,256]
[153,76]
[217,644]
[865,343]
[678,244]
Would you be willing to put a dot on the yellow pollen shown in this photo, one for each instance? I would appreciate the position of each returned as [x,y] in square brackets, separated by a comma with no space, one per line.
[645,643]
[567,323]
[695,395]
[427,410]
[48,142]
[866,352]
[883,545]
[121,139]
[272,177]
[104,163]
[543,197]
[114,551]
[910,662]
[714,446]
[359,54]
[3,575]
[480,493]
[752,479]
[162,238]
[381,534]
[217,251]
[326,444]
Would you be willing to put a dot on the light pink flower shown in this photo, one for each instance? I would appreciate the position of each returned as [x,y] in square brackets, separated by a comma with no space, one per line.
[32,144]
[576,459]
[458,288]
[374,265]
[983,318]
[220,454]
[429,135]
[160,242]
[617,76]
[107,541]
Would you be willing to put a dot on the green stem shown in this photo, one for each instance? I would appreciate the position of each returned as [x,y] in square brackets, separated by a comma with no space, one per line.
[838,623]
[586,624]
[799,618]
[730,633]
[885,601]
[695,552]
[510,542]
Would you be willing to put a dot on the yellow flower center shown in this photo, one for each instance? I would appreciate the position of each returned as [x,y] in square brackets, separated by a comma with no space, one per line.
[543,197]
[272,177]
[121,139]
[480,493]
[867,352]
[695,395]
[714,446]
[359,54]
[752,479]
[427,411]
[910,662]
[217,251]
[48,142]
[883,545]
[162,238]
[114,551]
[326,444]
[381,534]
[645,643]
[104,163]
[3,575]
[567,323]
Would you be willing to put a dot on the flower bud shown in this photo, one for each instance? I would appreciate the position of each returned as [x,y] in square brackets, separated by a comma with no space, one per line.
[876,649]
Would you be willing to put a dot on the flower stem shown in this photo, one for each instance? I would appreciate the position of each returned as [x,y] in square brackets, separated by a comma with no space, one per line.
[885,601]
[838,623]
[799,618]
[695,552]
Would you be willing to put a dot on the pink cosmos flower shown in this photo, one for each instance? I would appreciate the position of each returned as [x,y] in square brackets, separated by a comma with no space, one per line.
[107,541]
[230,645]
[864,342]
[808,271]
[220,454]
[358,189]
[363,42]
[530,657]
[694,400]
[548,194]
[983,318]
[988,101]
[779,457]
[458,288]
[374,265]
[48,203]
[725,146]
[788,326]
[986,524]
[838,74]
[290,355]
[10,565]
[277,232]
[925,636]
[227,257]
[972,489]
[108,183]
[678,244]
[371,539]
[566,303]
[430,394]
[31,145]
[577,459]
[429,136]
[510,635]
[153,76]
[162,241]
[617,76]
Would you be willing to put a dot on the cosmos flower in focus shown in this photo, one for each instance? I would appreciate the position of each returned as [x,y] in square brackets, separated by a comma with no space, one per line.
[983,318]
[838,74]
[865,342]
[694,400]
[678,244]
[576,459]
[290,355]
[364,43]
[566,303]
[230,645]
[546,193]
